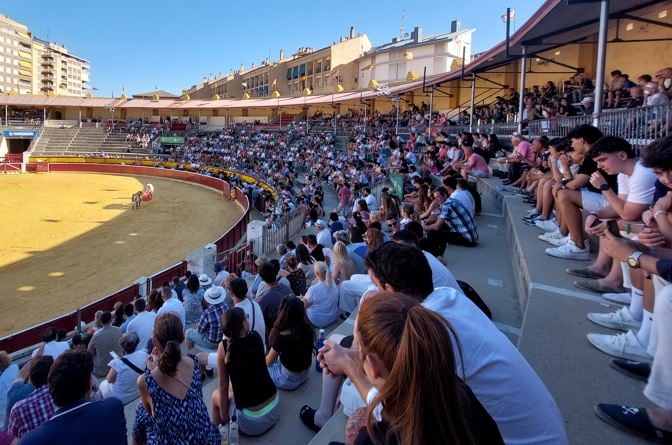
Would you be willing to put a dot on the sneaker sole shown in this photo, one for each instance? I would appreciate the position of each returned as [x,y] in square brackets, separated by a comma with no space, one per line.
[556,243]
[585,273]
[623,302]
[603,416]
[628,373]
[623,355]
[634,327]
[587,258]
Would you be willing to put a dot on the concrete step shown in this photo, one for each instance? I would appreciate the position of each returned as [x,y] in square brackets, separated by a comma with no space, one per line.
[578,375]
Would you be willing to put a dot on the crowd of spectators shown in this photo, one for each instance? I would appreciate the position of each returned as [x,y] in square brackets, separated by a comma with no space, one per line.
[381,254]
[594,188]
[576,97]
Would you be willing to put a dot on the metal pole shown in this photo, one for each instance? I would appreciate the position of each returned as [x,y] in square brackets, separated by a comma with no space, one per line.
[473,93]
[44,114]
[364,117]
[521,102]
[396,130]
[601,56]
[431,109]
[6,114]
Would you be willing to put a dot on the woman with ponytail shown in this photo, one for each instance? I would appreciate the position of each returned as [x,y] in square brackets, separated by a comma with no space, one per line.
[408,355]
[171,408]
[241,363]
[321,298]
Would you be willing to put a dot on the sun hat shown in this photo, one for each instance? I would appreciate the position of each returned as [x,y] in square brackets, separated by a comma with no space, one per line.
[204,280]
[215,295]
[320,222]
[587,99]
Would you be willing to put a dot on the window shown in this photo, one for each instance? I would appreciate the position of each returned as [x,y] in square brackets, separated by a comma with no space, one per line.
[327,65]
[302,70]
[289,73]
[310,68]
[295,72]
[318,67]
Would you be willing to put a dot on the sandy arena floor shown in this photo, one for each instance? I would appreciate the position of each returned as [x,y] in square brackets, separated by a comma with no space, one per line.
[71,238]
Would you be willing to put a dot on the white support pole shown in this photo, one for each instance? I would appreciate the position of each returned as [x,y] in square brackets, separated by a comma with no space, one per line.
[431,110]
[521,92]
[396,128]
[601,56]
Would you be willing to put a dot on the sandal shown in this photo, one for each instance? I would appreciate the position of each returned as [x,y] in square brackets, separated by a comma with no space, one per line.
[307,415]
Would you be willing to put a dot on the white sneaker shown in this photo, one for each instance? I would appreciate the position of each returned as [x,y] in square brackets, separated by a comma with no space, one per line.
[569,251]
[621,319]
[560,241]
[545,236]
[625,346]
[618,298]
[532,212]
[547,225]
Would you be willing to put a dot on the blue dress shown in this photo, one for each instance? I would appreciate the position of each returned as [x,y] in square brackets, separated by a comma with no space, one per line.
[175,421]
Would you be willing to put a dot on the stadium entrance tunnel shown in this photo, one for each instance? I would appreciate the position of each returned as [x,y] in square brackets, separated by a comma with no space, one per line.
[17,145]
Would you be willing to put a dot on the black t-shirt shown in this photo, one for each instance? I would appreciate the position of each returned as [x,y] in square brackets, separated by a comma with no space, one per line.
[483,428]
[661,190]
[296,351]
[270,304]
[248,372]
[588,167]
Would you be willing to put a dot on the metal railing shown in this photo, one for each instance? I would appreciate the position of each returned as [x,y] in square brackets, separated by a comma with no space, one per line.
[279,231]
[639,125]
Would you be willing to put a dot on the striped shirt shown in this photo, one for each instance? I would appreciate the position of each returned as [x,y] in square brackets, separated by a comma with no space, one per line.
[31,412]
[458,219]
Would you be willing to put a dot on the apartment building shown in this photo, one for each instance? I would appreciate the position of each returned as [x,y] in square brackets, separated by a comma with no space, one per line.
[16,63]
[319,71]
[408,57]
[29,65]
[59,72]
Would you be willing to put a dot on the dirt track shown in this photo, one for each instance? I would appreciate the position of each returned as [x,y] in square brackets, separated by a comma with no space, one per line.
[67,239]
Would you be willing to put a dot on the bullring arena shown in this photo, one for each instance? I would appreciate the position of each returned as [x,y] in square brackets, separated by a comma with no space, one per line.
[70,238]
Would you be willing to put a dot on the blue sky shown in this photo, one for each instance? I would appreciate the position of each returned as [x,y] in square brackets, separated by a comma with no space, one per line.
[172,45]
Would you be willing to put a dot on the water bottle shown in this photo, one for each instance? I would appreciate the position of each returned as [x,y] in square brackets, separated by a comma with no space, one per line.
[319,344]
[233,431]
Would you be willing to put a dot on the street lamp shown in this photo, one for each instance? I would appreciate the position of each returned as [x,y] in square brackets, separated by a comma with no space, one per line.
[111,109]
[276,94]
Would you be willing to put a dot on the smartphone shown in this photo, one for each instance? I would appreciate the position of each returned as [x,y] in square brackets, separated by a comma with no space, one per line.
[612,226]
[597,222]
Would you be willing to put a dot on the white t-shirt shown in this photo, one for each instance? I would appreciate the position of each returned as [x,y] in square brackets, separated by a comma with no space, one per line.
[441,276]
[499,376]
[143,326]
[466,199]
[54,348]
[323,299]
[371,202]
[639,187]
[324,238]
[257,316]
[175,306]
[124,387]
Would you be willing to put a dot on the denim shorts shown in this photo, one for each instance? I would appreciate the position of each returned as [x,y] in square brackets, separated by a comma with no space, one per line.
[285,379]
[256,423]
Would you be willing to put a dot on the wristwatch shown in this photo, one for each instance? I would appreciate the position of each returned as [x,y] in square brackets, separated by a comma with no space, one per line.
[633,260]
[604,187]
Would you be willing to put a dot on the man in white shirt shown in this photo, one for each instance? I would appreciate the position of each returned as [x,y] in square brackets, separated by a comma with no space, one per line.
[636,187]
[496,372]
[171,304]
[460,194]
[51,346]
[143,323]
[371,200]
[323,234]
